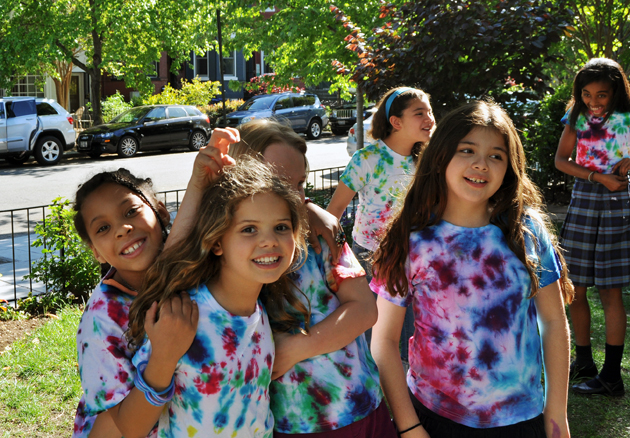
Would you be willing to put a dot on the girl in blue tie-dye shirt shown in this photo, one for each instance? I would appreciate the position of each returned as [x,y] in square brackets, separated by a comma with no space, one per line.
[471,253]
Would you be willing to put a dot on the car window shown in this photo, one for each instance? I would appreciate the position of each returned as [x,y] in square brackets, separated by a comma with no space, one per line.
[21,108]
[192,111]
[285,102]
[306,100]
[46,109]
[261,103]
[176,112]
[130,116]
[156,114]
[1,111]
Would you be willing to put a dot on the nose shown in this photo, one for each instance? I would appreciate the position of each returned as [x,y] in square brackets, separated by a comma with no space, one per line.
[480,163]
[123,230]
[268,239]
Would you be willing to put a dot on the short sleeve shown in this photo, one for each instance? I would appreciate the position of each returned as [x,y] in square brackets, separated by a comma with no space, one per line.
[549,267]
[565,118]
[379,287]
[104,359]
[355,176]
[348,266]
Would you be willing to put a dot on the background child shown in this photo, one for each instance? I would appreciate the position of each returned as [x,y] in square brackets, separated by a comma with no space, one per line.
[381,172]
[596,232]
[118,216]
[469,250]
[249,233]
[327,382]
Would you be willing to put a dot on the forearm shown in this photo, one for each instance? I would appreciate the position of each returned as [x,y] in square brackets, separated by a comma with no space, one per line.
[186,216]
[556,348]
[570,167]
[104,427]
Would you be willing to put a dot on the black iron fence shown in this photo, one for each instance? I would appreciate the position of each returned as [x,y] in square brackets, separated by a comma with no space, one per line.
[17,233]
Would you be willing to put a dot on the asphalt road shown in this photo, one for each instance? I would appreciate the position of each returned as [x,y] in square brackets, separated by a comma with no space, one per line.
[31,185]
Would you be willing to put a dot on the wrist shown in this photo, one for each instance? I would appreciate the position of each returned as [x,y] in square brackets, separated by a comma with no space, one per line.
[592,176]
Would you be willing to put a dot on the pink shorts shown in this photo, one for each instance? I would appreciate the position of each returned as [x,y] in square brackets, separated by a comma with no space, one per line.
[376,425]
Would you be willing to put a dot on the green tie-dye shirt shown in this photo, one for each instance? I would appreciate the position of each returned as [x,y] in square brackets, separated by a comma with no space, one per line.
[381,177]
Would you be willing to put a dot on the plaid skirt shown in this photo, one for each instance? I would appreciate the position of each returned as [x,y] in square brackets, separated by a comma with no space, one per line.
[596,236]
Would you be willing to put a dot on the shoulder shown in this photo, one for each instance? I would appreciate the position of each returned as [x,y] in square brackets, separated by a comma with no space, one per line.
[107,306]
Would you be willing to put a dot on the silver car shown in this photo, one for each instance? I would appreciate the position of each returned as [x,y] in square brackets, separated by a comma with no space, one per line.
[352,136]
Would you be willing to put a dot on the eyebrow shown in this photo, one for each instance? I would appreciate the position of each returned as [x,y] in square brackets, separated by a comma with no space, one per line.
[501,148]
[123,202]
[253,221]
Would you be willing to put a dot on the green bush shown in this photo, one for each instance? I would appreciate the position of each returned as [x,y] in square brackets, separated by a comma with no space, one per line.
[114,105]
[195,92]
[67,268]
[214,110]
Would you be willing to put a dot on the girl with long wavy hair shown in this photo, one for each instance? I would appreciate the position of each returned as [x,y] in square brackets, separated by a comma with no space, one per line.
[470,250]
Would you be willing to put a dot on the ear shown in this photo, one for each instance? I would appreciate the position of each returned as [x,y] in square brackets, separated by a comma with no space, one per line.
[395,122]
[163,212]
[217,250]
[97,255]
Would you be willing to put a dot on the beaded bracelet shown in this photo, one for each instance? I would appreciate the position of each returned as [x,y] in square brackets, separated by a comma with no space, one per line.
[153,397]
[590,175]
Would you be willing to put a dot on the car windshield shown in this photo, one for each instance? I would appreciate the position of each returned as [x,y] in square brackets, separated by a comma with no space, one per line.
[261,103]
[130,116]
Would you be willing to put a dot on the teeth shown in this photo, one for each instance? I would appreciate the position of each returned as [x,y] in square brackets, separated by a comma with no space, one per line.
[266,260]
[476,180]
[133,247]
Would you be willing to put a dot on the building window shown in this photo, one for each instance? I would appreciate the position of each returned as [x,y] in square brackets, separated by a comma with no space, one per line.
[155,72]
[229,66]
[201,66]
[28,86]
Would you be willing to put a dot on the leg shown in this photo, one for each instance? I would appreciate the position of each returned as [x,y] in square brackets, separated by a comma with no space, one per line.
[580,312]
[614,315]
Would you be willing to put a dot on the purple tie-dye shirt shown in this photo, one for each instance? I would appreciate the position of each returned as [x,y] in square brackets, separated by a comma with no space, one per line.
[475,357]
[381,177]
[222,382]
[332,390]
[601,145]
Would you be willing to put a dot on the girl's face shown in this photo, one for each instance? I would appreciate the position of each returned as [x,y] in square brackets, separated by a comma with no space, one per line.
[259,245]
[416,122]
[476,171]
[289,163]
[597,97]
[123,231]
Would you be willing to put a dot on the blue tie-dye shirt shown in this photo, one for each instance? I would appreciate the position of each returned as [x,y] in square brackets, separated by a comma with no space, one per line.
[222,382]
[475,357]
[332,390]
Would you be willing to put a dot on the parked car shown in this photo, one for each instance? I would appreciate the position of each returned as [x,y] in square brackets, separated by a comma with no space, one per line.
[304,112]
[351,143]
[147,127]
[342,118]
[39,127]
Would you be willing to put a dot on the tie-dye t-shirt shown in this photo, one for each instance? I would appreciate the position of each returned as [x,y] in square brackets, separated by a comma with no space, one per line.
[222,382]
[332,390]
[381,177]
[601,145]
[475,357]
[104,357]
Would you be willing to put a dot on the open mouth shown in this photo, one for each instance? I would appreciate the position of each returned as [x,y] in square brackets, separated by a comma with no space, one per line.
[476,180]
[132,248]
[597,109]
[266,260]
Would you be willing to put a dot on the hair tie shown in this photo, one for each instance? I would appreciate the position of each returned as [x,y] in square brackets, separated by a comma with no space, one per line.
[392,97]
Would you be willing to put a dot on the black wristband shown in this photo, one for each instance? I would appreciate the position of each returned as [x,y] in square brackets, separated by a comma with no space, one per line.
[411,428]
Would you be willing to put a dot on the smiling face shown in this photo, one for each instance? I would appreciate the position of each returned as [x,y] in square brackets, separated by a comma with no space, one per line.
[259,245]
[597,97]
[289,163]
[416,122]
[476,171]
[123,231]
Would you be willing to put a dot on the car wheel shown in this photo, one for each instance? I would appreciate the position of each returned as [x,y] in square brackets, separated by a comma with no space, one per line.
[197,140]
[127,147]
[48,151]
[314,130]
[19,159]
[94,154]
[339,131]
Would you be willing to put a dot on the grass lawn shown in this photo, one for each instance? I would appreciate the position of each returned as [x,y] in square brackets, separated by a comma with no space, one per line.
[39,384]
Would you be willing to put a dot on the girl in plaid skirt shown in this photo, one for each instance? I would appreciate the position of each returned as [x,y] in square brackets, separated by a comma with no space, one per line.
[596,232]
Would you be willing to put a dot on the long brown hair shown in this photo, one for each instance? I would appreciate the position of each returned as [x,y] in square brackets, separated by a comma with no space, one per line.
[191,262]
[426,199]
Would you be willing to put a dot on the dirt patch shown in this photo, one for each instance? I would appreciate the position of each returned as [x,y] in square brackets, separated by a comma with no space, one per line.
[11,331]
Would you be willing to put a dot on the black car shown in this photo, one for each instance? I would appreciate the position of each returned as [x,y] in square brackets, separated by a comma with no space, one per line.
[147,127]
[342,118]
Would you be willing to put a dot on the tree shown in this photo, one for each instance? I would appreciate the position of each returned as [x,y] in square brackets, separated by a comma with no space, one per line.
[120,37]
[458,50]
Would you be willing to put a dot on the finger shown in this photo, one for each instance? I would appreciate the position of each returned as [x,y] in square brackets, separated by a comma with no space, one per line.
[210,163]
[149,317]
[186,303]
[221,138]
[314,241]
[176,304]
[195,314]
[336,254]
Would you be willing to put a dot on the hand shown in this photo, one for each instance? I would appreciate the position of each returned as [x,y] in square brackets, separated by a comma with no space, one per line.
[286,353]
[326,225]
[173,333]
[614,183]
[212,157]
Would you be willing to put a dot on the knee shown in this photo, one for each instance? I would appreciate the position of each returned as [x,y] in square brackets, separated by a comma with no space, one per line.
[611,298]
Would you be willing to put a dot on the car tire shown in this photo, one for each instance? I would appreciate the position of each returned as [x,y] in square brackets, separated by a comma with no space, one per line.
[127,147]
[314,130]
[19,159]
[197,140]
[340,131]
[94,154]
[48,151]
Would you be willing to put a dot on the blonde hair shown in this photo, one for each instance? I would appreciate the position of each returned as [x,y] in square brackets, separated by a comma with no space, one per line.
[191,262]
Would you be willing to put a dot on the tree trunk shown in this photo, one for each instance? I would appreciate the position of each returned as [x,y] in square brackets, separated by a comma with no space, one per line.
[360,135]
[62,86]
[95,85]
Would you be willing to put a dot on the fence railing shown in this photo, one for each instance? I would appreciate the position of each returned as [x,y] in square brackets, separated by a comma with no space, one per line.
[17,233]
